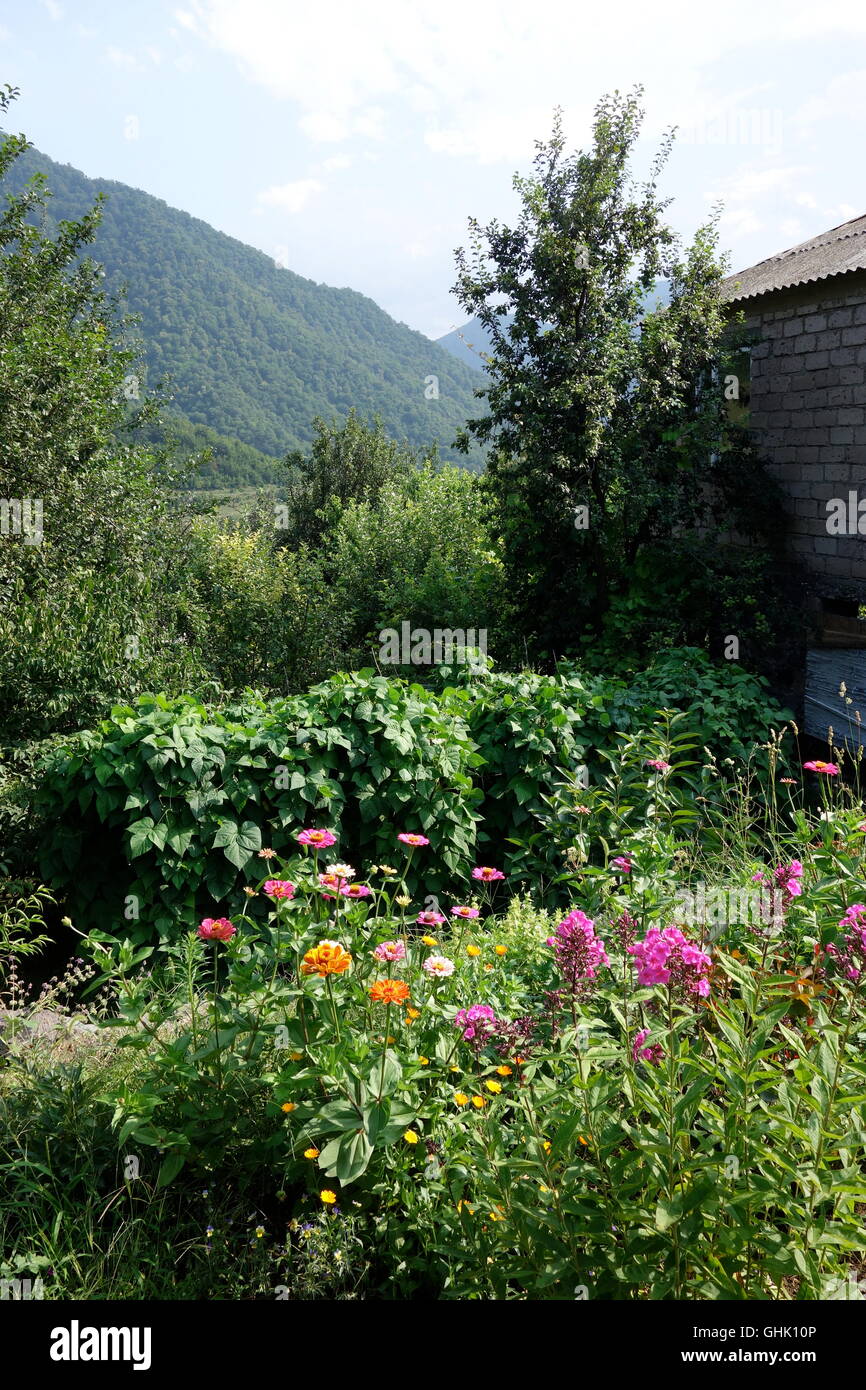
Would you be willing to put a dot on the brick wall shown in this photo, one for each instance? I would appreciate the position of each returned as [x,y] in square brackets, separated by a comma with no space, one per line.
[808,412]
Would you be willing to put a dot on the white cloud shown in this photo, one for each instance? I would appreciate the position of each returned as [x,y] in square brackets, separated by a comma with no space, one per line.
[291,197]
[336,161]
[120,59]
[739,222]
[55,10]
[792,228]
[843,212]
[750,183]
[844,96]
[805,200]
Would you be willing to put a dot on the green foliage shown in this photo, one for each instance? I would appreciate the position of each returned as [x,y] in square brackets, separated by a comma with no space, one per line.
[167,803]
[607,423]
[253,351]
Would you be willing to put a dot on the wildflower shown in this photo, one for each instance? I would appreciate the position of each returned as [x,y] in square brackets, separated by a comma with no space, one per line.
[460,1098]
[355,890]
[387,870]
[440,966]
[477,1022]
[429,941]
[389,992]
[342,870]
[623,863]
[251,892]
[826,769]
[316,839]
[288,1106]
[279,888]
[424,1061]
[469,1208]
[579,952]
[788,781]
[494,1087]
[501,950]
[666,956]
[487,875]
[413,839]
[328,958]
[260,1230]
[479,1102]
[653,1054]
[402,900]
[410,1136]
[328,1197]
[390,950]
[659,764]
[216,929]
[546,1146]
[412,1014]
[465,912]
[496,1215]
[311,1153]
[331,880]
[429,918]
[295,1056]
[267,854]
[503,1071]
[582,810]
[850,957]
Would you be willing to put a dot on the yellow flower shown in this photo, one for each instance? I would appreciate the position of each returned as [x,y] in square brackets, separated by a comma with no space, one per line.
[328,1197]
[402,900]
[460,1098]
[479,1102]
[386,869]
[496,1215]
[295,1056]
[470,1209]
[542,1188]
[494,1087]
[390,1040]
[288,1106]
[503,1071]
[413,1013]
[546,1146]
[260,1230]
[410,1136]
[424,1061]
[311,1153]
[582,1140]
[501,950]
[453,1068]
[429,941]
[473,950]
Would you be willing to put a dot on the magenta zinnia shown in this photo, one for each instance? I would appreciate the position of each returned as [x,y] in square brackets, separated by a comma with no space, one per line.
[216,929]
[826,769]
[316,839]
[409,839]
[430,919]
[465,912]
[390,950]
[487,875]
[279,888]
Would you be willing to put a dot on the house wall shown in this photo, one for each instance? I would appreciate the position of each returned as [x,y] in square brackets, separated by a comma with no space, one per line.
[808,414]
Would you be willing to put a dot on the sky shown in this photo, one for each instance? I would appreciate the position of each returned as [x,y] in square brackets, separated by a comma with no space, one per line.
[352,140]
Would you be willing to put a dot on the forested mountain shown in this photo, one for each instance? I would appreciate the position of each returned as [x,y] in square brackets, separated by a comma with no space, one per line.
[254,351]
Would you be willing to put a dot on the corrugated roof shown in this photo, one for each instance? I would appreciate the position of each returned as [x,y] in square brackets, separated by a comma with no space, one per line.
[835,252]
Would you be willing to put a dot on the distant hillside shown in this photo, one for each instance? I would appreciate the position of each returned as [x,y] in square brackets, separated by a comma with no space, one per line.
[471,342]
[255,352]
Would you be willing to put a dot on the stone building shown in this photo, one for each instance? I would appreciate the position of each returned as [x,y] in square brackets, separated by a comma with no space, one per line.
[806,397]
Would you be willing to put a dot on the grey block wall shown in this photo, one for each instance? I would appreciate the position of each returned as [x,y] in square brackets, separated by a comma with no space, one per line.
[808,413]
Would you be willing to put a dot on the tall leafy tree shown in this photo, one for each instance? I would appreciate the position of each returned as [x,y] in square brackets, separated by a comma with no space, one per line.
[606,416]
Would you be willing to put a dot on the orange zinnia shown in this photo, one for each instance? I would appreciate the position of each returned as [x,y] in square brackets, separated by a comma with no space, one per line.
[389,992]
[328,958]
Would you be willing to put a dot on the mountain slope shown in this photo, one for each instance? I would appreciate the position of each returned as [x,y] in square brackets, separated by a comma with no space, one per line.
[254,351]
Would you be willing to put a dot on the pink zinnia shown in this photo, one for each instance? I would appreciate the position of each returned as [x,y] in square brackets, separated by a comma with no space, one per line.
[430,919]
[279,888]
[408,839]
[355,890]
[464,912]
[216,929]
[317,839]
[438,965]
[488,875]
[390,950]
[826,769]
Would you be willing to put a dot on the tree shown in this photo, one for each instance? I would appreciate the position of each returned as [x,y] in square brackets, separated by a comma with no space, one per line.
[611,449]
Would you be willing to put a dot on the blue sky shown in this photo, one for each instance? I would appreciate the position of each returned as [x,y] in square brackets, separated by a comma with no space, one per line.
[351,140]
